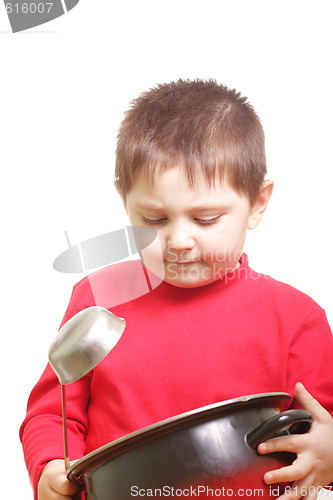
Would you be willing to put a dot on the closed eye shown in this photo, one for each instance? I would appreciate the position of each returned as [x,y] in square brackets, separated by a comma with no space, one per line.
[153,222]
[162,220]
[204,222]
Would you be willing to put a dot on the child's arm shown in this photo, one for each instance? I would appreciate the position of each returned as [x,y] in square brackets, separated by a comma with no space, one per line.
[54,484]
[313,467]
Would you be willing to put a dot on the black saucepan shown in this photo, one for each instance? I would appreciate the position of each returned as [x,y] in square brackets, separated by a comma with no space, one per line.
[209,452]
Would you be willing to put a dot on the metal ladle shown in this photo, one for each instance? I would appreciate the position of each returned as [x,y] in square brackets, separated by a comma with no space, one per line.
[79,346]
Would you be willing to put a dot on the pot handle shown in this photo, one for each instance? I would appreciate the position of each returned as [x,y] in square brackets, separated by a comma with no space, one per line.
[273,425]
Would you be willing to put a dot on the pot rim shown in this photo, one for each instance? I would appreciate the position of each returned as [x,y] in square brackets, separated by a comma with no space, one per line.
[278,400]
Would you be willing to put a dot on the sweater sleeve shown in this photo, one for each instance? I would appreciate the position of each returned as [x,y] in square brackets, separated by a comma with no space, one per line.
[41,431]
[310,359]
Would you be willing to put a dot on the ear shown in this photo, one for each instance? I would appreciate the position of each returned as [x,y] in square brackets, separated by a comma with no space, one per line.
[260,204]
[123,199]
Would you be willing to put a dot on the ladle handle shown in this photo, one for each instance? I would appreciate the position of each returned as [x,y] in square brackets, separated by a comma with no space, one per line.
[273,425]
[64,427]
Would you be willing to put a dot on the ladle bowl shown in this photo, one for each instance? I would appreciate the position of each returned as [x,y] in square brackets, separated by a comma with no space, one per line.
[83,342]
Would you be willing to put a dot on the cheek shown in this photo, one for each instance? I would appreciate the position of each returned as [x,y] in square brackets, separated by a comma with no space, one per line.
[152,257]
[226,245]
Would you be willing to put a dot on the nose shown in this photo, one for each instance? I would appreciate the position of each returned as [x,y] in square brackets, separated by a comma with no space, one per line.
[180,237]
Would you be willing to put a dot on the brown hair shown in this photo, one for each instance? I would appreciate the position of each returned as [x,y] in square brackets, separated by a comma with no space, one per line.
[201,125]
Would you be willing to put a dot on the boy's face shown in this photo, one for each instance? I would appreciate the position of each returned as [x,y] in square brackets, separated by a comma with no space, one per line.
[201,229]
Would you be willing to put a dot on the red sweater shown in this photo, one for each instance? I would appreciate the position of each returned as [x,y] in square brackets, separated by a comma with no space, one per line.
[181,349]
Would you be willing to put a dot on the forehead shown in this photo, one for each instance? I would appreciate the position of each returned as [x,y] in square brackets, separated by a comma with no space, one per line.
[172,186]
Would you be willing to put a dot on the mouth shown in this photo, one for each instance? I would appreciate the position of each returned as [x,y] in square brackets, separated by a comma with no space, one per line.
[183,261]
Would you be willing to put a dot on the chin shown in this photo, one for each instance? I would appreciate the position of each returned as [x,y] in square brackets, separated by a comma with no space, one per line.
[188,283]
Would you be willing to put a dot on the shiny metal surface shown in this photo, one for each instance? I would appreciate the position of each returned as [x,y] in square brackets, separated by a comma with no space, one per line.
[83,342]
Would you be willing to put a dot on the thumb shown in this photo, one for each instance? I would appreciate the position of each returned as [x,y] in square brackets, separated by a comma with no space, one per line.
[309,403]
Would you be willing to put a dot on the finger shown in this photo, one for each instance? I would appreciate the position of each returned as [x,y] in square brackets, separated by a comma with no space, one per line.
[310,404]
[63,486]
[290,473]
[294,443]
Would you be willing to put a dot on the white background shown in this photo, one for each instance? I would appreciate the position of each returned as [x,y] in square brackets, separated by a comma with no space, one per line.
[63,88]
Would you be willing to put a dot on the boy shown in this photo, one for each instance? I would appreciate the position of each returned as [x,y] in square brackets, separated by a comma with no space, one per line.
[191,164]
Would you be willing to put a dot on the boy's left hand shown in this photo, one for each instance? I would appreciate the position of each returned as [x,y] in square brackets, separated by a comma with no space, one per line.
[313,467]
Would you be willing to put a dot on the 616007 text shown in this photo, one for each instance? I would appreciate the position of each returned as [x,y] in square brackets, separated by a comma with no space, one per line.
[29,8]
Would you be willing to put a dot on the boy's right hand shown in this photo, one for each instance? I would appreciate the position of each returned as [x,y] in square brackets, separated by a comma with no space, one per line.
[54,485]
